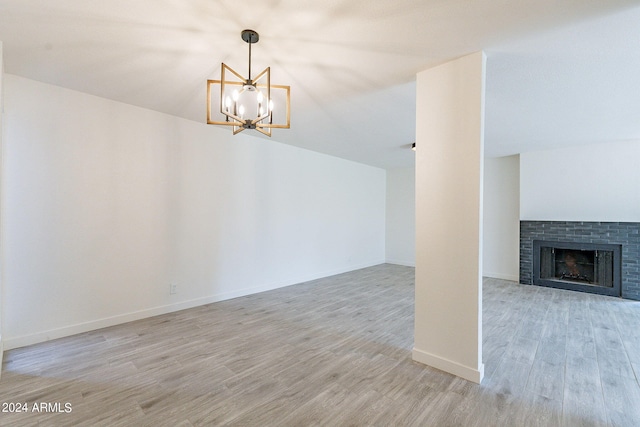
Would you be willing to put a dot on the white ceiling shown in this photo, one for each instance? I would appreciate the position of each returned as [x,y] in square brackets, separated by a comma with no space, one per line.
[558,73]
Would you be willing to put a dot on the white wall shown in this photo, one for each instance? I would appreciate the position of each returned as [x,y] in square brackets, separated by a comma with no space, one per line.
[106,205]
[401,216]
[587,183]
[501,228]
[449,187]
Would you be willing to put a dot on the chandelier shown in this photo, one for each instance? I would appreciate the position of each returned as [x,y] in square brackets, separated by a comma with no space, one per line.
[248,103]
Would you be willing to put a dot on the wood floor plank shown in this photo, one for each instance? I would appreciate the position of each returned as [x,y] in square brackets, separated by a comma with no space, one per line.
[537,411]
[583,399]
[621,397]
[522,349]
[583,345]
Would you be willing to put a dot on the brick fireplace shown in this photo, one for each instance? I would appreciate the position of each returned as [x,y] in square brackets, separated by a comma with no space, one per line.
[597,257]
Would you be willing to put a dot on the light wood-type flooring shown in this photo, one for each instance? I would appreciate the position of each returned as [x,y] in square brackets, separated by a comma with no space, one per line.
[337,352]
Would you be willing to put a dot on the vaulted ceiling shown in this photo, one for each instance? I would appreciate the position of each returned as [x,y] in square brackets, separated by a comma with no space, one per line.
[558,73]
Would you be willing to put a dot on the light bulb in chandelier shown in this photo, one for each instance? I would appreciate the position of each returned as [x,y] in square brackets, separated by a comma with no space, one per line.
[270,111]
[259,99]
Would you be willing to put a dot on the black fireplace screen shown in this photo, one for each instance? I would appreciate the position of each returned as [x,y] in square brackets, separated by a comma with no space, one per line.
[593,267]
[586,267]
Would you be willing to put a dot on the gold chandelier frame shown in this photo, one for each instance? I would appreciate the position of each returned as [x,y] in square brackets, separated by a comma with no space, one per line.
[233,82]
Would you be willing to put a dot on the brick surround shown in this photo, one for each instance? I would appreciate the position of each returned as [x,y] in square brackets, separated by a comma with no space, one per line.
[626,234]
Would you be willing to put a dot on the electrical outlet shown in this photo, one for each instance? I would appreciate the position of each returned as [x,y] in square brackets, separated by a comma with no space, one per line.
[173,289]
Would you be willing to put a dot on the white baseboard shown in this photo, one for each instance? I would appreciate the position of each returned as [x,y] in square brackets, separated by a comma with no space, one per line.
[501,276]
[51,334]
[80,328]
[326,273]
[401,262]
[468,373]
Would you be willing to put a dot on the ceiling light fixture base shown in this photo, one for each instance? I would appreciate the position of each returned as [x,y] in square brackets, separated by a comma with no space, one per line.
[250,36]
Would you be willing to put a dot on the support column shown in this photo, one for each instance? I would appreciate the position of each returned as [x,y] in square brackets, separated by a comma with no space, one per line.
[449,173]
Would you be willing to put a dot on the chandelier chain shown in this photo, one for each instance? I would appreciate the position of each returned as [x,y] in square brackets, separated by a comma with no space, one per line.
[249,60]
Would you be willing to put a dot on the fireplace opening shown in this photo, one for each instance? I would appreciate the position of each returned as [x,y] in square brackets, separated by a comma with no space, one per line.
[576,266]
[591,267]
